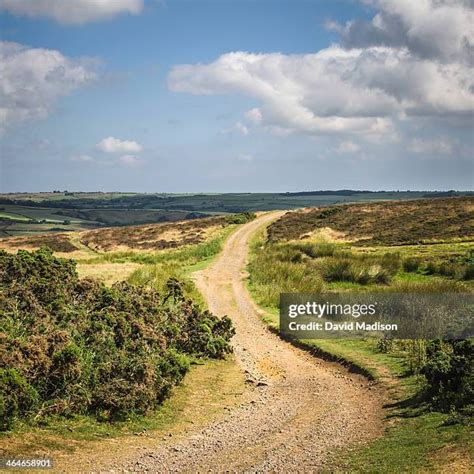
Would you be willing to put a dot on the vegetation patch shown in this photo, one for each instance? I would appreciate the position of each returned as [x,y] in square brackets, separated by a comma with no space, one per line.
[76,347]
[429,384]
[383,223]
[56,242]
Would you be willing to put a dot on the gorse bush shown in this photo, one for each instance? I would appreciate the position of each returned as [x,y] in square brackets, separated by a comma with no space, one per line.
[70,346]
[241,218]
[449,372]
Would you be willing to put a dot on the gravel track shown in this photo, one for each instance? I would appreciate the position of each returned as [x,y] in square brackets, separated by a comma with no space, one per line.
[297,408]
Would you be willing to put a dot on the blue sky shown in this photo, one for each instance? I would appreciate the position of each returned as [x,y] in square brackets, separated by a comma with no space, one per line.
[224,96]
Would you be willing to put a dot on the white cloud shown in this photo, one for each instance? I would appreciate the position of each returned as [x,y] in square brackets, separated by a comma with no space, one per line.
[32,79]
[238,128]
[130,160]
[254,115]
[241,128]
[348,147]
[72,11]
[82,158]
[440,146]
[115,145]
[360,87]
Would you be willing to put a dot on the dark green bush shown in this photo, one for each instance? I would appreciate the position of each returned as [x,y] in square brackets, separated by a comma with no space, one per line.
[431,268]
[468,273]
[411,264]
[241,218]
[449,372]
[70,346]
[17,397]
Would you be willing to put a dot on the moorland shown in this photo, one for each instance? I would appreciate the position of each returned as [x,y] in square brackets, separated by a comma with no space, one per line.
[420,391]
[37,213]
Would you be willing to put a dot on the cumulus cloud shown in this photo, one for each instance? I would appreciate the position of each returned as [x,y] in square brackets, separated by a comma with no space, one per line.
[238,128]
[429,29]
[72,11]
[360,87]
[115,145]
[334,90]
[32,79]
[130,160]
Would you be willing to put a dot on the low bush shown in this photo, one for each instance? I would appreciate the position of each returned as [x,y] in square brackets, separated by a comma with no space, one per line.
[411,264]
[241,218]
[468,273]
[449,372]
[70,346]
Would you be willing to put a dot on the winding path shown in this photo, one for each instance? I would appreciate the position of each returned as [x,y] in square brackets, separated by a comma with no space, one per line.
[298,408]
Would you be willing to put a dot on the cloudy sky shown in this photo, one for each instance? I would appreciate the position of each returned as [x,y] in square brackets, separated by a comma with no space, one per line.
[236,95]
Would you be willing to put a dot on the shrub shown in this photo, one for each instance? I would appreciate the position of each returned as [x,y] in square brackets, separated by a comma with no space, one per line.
[468,273]
[411,264]
[431,268]
[241,218]
[449,372]
[75,346]
[17,397]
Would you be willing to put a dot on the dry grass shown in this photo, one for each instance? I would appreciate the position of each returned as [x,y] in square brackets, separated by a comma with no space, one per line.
[151,237]
[56,242]
[108,273]
[169,235]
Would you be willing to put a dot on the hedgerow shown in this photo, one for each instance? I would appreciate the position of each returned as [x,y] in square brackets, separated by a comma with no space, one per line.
[70,346]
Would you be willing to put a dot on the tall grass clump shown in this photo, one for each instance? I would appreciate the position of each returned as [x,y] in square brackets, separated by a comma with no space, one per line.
[361,269]
[280,269]
[316,250]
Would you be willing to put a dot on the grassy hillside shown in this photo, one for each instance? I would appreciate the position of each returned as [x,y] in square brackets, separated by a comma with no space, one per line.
[357,248]
[30,213]
[132,238]
[385,223]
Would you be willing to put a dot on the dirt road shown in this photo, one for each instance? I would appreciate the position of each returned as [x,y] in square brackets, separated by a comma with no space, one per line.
[297,409]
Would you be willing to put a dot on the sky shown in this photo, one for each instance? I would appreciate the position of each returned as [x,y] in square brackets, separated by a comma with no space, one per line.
[236,95]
